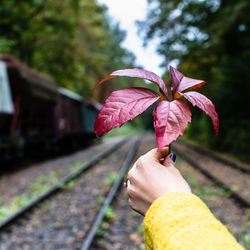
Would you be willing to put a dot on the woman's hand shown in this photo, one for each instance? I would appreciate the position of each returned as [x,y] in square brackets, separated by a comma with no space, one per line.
[153,175]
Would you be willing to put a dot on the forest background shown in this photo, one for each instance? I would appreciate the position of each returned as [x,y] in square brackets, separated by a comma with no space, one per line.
[76,43]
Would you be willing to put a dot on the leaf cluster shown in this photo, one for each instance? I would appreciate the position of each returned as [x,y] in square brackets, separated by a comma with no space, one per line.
[171,117]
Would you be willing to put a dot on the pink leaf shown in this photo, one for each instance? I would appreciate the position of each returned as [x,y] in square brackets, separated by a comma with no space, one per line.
[179,82]
[123,105]
[139,73]
[204,104]
[170,120]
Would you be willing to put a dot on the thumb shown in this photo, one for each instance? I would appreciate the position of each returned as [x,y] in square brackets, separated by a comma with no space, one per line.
[157,155]
[169,160]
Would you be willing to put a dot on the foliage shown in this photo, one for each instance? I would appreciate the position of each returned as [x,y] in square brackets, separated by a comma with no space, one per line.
[246,240]
[110,214]
[129,129]
[209,39]
[100,200]
[72,40]
[13,205]
[171,117]
[36,188]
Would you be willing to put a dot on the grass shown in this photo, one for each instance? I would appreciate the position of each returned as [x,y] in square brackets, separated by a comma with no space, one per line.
[77,165]
[101,242]
[103,229]
[41,185]
[140,229]
[38,187]
[110,179]
[225,192]
[206,193]
[100,200]
[135,214]
[246,240]
[224,155]
[126,130]
[247,211]
[71,184]
[49,206]
[110,214]
[14,204]
[243,236]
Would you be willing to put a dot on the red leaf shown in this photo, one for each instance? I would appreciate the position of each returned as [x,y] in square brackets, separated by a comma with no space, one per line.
[139,73]
[123,105]
[204,104]
[170,120]
[179,82]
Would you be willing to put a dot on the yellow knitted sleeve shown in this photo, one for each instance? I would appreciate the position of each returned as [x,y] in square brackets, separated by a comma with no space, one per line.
[183,221]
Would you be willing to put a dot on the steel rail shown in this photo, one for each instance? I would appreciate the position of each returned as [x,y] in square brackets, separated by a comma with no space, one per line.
[91,235]
[60,184]
[213,155]
[242,200]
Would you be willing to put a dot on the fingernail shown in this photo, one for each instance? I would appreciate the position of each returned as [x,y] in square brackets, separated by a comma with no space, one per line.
[173,157]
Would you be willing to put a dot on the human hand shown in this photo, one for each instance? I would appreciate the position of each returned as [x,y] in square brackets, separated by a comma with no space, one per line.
[153,175]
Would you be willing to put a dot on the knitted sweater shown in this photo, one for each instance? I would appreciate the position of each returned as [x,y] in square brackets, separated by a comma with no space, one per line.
[183,221]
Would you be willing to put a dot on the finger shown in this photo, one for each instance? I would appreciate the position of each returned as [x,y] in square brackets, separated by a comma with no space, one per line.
[130,177]
[157,155]
[133,205]
[169,160]
[128,183]
[130,190]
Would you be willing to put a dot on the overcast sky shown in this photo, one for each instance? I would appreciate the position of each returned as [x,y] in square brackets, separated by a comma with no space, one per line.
[127,12]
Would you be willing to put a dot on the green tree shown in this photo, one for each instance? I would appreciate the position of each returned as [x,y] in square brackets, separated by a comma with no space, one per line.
[72,40]
[210,40]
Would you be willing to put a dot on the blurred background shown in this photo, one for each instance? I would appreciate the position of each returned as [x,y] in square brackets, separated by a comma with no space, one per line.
[77,43]
[52,53]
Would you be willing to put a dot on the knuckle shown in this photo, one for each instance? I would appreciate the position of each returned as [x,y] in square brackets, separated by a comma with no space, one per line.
[141,161]
[152,151]
[130,191]
[131,174]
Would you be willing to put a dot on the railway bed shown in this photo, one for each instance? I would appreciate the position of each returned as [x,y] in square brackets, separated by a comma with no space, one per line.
[236,181]
[243,167]
[126,227]
[62,221]
[220,201]
[65,219]
[25,184]
[61,183]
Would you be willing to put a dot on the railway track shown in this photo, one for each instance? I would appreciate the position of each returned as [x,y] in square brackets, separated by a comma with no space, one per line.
[92,233]
[23,221]
[69,218]
[55,188]
[233,215]
[232,176]
[241,167]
